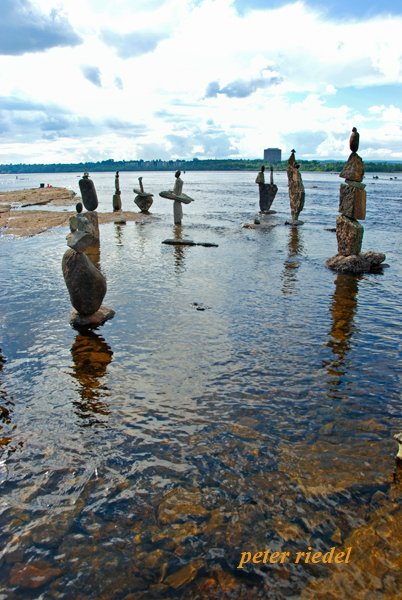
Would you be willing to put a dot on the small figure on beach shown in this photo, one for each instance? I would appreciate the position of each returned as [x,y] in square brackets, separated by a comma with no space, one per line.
[267,191]
[143,199]
[354,140]
[178,197]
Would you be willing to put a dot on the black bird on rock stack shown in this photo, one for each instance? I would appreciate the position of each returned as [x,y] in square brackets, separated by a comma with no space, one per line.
[354,140]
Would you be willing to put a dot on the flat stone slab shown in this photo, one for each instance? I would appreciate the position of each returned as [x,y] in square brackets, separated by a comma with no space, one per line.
[95,320]
[142,194]
[357,263]
[171,196]
[188,242]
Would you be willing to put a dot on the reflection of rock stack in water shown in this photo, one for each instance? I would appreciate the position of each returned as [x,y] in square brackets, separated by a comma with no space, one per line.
[267,191]
[91,355]
[85,283]
[143,200]
[352,206]
[343,309]
[295,248]
[296,189]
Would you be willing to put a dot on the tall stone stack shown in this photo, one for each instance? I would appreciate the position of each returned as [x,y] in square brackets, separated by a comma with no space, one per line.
[117,193]
[352,206]
[296,189]
[85,283]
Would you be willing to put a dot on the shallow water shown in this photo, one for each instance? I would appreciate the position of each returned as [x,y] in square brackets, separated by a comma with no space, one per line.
[243,398]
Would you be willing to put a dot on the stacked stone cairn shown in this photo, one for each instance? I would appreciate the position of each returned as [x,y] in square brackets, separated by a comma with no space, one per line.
[143,199]
[85,283]
[296,189]
[267,191]
[178,197]
[352,206]
[117,193]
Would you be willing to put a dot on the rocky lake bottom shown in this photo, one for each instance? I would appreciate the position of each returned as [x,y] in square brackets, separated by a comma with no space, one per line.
[244,398]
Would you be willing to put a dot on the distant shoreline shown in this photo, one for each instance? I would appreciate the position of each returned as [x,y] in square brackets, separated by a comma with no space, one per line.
[193,165]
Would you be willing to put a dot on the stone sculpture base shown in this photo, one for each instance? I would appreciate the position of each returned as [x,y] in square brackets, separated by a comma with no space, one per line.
[294,223]
[95,320]
[356,264]
[116,202]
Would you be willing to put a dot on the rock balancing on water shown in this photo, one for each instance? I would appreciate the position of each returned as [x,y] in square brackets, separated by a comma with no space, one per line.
[352,206]
[178,198]
[143,199]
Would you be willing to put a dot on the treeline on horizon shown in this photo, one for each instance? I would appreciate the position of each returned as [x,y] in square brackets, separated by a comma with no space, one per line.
[195,164]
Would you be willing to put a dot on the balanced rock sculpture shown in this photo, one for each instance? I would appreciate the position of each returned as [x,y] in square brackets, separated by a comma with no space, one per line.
[143,200]
[117,193]
[267,191]
[296,189]
[352,206]
[178,197]
[85,283]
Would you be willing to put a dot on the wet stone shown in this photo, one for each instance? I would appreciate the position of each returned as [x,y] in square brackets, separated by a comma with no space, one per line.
[85,283]
[353,169]
[32,576]
[349,234]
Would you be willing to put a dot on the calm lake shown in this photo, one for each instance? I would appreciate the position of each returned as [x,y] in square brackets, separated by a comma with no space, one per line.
[244,398]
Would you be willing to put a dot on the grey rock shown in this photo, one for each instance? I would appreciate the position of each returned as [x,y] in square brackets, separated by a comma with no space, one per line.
[116,201]
[144,201]
[88,192]
[85,283]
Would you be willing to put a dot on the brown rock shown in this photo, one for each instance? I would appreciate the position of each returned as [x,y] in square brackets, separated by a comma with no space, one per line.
[296,192]
[85,283]
[352,201]
[32,576]
[353,169]
[349,234]
[363,263]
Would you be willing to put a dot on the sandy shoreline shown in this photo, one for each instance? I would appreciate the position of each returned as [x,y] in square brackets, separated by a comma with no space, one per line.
[15,221]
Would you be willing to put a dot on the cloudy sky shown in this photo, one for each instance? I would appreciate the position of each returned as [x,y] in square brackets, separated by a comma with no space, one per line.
[94,79]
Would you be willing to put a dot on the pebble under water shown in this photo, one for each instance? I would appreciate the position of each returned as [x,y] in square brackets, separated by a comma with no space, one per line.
[244,398]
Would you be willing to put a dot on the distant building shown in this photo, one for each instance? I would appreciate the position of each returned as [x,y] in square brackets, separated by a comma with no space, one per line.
[272,155]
